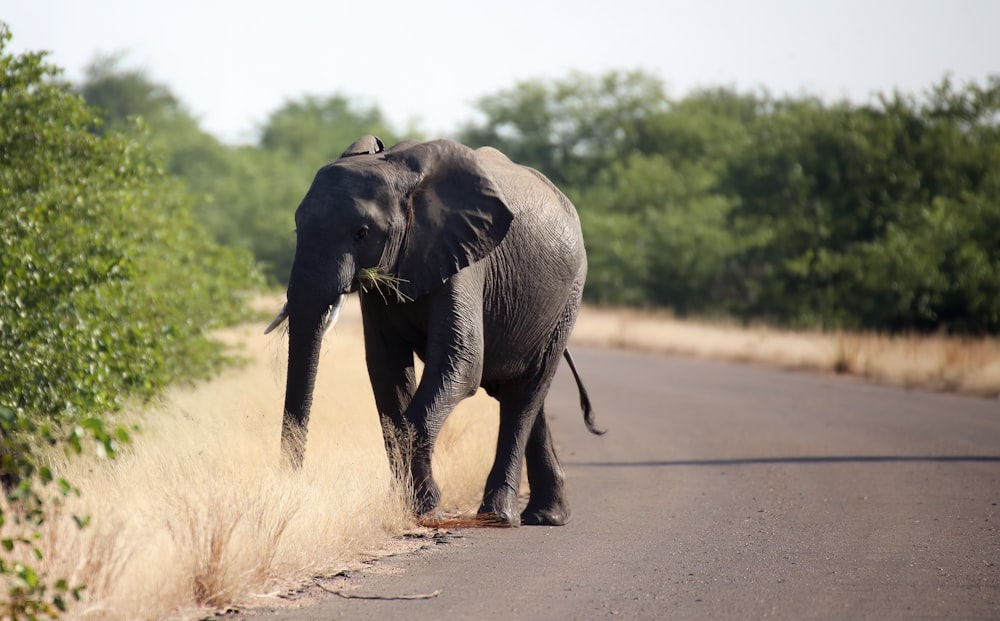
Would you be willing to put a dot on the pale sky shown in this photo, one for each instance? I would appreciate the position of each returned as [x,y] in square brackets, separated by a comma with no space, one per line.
[234,62]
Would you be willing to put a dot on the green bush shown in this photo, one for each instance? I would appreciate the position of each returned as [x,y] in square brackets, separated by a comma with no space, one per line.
[108,289]
[656,235]
[793,211]
[245,196]
[882,216]
[872,217]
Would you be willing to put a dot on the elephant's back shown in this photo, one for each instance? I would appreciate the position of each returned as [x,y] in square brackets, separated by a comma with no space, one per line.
[546,223]
[537,272]
[525,189]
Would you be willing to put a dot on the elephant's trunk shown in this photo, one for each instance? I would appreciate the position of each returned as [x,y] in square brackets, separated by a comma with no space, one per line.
[306,327]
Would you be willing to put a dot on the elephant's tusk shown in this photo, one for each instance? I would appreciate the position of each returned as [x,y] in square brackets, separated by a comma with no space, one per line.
[331,317]
[278,320]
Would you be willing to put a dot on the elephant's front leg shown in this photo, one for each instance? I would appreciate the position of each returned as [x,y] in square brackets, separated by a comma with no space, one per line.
[442,387]
[391,371]
[453,367]
[452,372]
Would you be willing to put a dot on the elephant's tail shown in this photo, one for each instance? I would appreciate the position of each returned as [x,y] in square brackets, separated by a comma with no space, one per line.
[588,411]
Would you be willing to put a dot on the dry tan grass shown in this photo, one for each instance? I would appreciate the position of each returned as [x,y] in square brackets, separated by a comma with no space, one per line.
[197,513]
[962,365]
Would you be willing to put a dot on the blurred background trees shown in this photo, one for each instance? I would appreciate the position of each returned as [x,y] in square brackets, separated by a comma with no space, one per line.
[881,216]
[244,195]
[792,211]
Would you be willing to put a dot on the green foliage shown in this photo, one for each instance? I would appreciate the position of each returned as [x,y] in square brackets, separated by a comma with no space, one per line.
[256,204]
[878,216]
[245,196]
[317,129]
[881,216]
[573,128]
[124,95]
[108,289]
[666,227]
[100,258]
[29,594]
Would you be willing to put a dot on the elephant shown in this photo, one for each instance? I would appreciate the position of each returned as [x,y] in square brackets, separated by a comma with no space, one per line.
[465,259]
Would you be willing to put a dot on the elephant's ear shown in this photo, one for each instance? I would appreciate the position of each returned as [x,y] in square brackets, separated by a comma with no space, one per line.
[456,215]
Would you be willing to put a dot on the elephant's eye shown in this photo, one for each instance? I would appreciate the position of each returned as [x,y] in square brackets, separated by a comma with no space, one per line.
[361,233]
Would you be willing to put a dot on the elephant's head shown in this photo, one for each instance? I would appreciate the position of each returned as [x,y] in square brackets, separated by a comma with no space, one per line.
[403,221]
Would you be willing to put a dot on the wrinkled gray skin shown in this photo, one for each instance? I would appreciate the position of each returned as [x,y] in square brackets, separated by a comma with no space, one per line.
[490,265]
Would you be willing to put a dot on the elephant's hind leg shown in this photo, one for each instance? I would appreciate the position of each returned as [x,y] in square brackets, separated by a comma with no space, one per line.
[518,410]
[547,504]
[524,435]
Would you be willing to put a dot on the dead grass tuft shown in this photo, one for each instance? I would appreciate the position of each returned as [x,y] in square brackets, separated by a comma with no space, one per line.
[952,364]
[947,364]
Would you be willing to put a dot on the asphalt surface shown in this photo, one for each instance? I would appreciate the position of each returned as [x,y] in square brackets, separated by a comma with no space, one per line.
[724,491]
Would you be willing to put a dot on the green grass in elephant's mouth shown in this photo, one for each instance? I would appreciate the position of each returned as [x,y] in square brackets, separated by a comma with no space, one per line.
[379,280]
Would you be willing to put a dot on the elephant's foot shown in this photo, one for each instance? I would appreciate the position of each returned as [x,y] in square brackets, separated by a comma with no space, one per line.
[488,518]
[426,497]
[544,517]
[552,513]
[500,509]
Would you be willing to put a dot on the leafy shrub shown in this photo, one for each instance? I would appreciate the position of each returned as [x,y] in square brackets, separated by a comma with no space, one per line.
[108,289]
[882,216]
[244,195]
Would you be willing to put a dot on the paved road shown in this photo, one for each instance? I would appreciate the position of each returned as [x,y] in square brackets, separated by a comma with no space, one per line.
[731,492]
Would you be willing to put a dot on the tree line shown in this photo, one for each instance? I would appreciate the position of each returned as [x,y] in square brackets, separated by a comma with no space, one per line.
[880,216]
[787,210]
